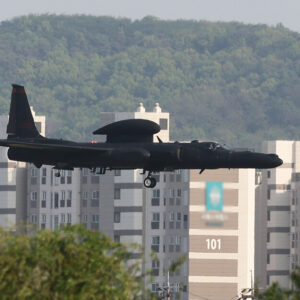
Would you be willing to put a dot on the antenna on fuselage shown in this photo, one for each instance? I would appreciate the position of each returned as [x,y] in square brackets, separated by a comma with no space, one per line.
[159,139]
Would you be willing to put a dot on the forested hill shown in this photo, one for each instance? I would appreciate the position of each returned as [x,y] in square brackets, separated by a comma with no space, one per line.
[230,82]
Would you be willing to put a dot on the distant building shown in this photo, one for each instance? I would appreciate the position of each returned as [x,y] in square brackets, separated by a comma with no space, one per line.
[277,210]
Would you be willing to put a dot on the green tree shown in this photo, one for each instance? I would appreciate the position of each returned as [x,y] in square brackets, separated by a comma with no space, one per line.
[71,263]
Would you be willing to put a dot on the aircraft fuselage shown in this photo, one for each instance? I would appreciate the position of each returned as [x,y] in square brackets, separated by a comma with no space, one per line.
[147,156]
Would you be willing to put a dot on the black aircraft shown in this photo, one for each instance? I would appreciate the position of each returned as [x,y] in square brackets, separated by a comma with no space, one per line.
[129,145]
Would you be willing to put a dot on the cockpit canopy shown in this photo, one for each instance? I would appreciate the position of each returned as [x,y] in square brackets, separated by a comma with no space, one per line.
[213,146]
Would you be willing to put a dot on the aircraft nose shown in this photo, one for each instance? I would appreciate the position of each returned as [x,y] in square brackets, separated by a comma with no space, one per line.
[275,160]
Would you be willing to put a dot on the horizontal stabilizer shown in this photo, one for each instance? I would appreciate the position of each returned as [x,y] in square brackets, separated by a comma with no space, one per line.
[44,146]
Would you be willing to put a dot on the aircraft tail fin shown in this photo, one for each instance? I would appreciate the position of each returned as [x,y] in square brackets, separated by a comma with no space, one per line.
[21,123]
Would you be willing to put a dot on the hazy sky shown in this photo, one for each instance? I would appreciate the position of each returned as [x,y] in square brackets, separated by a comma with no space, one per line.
[269,12]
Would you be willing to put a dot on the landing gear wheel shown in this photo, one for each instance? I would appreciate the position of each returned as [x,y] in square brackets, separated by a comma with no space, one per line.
[150,182]
[153,182]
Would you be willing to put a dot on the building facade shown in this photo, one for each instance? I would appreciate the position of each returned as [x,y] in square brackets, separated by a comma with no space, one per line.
[221,233]
[277,208]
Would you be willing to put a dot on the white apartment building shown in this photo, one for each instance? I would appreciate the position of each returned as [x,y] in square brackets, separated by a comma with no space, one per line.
[52,201]
[277,208]
[118,204]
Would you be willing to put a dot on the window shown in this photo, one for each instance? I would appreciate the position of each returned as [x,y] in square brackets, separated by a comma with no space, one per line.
[95,218]
[62,200]
[43,202]
[155,217]
[172,216]
[178,216]
[56,198]
[163,123]
[95,199]
[117,217]
[69,177]
[117,194]
[95,195]
[62,218]
[155,267]
[34,219]
[155,243]
[155,201]
[56,222]
[155,240]
[185,198]
[85,172]
[269,174]
[155,221]
[44,174]
[117,172]
[171,243]
[33,172]
[56,180]
[84,199]
[269,194]
[178,192]
[69,199]
[156,193]
[117,238]
[172,193]
[62,176]
[185,221]
[44,218]
[155,287]
[33,196]
[69,218]
[85,218]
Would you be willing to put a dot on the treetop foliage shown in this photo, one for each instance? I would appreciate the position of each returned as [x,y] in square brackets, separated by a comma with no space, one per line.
[71,263]
[231,82]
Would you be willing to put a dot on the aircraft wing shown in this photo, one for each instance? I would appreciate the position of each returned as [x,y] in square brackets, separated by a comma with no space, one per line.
[52,146]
